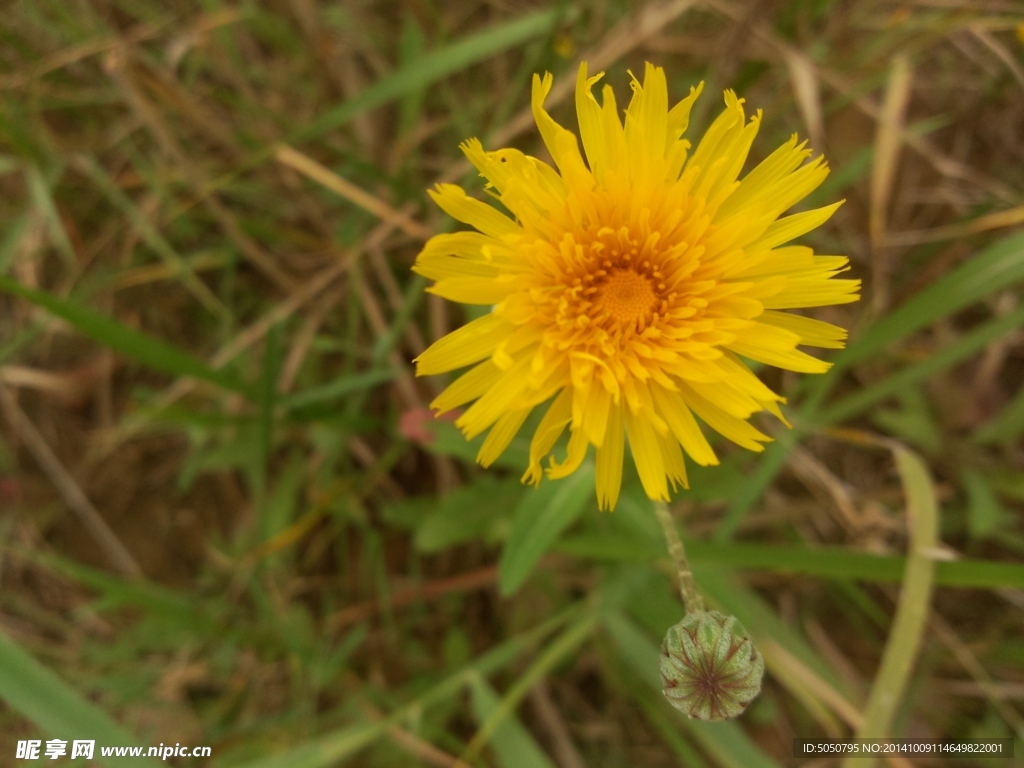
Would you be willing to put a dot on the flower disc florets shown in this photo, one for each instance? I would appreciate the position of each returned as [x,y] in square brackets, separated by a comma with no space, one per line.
[628,290]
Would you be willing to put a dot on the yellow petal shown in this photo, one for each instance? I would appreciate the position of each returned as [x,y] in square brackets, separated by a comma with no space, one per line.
[739,431]
[473,290]
[643,441]
[493,404]
[724,127]
[679,115]
[501,435]
[588,112]
[437,267]
[463,254]
[777,346]
[813,292]
[468,387]
[647,128]
[614,137]
[575,455]
[784,194]
[675,464]
[453,200]
[560,142]
[814,333]
[685,428]
[527,187]
[727,398]
[548,431]
[791,227]
[736,155]
[469,344]
[777,166]
[609,460]
[595,417]
[739,376]
[778,261]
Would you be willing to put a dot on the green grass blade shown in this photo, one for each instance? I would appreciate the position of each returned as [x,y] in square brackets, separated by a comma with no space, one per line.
[432,67]
[729,744]
[411,45]
[998,266]
[200,615]
[747,495]
[967,345]
[495,659]
[912,612]
[340,387]
[514,746]
[828,562]
[282,500]
[761,620]
[1007,426]
[156,242]
[331,748]
[38,694]
[129,342]
[979,574]
[635,648]
[540,518]
[42,196]
[550,657]
[20,340]
[664,721]
[325,751]
[473,511]
[11,241]
[266,398]
[859,165]
[411,299]
[449,441]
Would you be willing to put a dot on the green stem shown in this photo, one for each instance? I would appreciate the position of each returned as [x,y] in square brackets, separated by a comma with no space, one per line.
[687,587]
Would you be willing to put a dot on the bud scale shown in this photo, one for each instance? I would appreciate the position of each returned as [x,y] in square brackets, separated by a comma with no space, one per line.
[710,668]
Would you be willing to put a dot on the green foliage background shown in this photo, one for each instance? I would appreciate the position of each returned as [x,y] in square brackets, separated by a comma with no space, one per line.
[227,521]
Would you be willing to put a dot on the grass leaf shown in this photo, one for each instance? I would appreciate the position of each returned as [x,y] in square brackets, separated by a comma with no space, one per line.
[329,749]
[827,562]
[38,694]
[432,67]
[551,656]
[514,746]
[748,492]
[129,342]
[912,611]
[998,266]
[468,513]
[323,751]
[541,516]
[1007,426]
[340,387]
[967,345]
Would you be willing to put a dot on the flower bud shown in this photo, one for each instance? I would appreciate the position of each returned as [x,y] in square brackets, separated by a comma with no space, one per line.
[709,666]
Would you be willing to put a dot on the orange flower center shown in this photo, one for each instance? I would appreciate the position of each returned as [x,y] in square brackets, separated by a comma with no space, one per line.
[626,296]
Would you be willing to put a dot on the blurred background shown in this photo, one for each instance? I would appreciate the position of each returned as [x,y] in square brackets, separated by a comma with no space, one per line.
[228,519]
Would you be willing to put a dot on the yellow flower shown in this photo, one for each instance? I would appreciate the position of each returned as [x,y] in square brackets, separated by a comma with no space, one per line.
[628,290]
